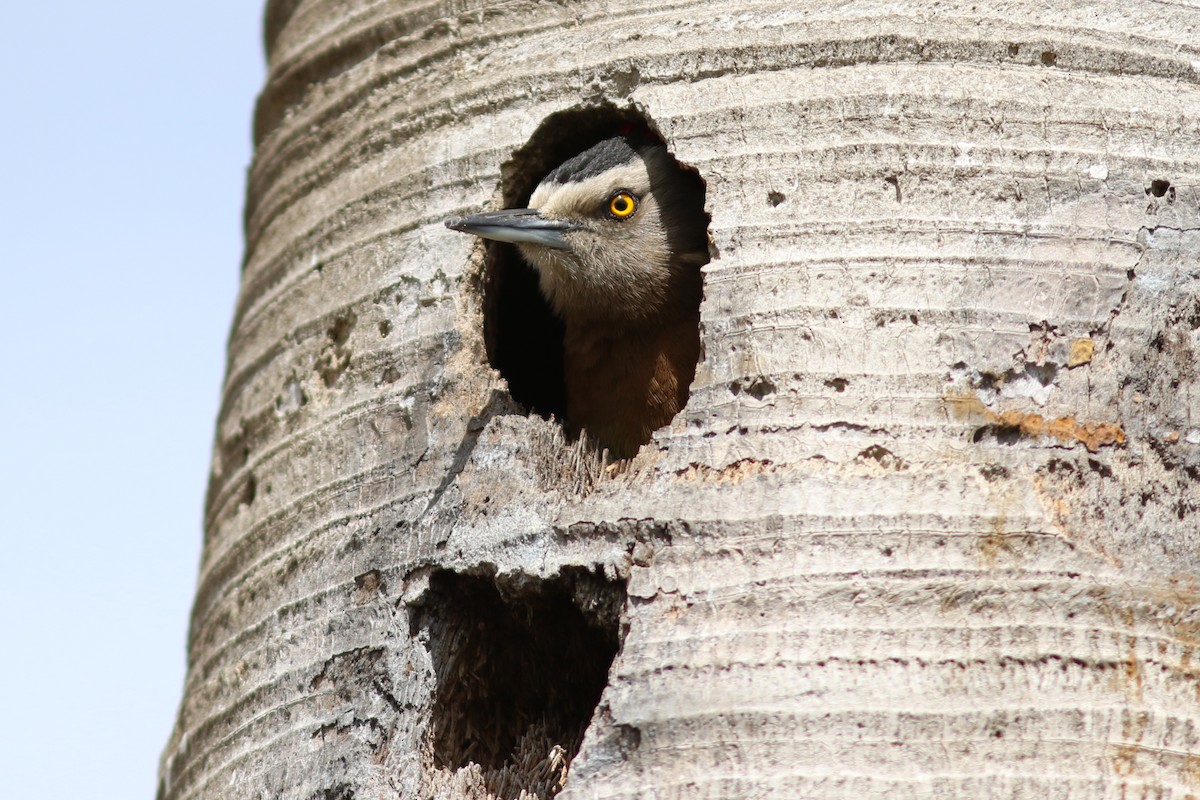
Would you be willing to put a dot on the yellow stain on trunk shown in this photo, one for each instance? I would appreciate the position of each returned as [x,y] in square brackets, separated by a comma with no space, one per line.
[1082,351]
[1093,435]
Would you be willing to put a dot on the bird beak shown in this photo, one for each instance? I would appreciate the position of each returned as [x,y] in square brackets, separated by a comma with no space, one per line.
[517,225]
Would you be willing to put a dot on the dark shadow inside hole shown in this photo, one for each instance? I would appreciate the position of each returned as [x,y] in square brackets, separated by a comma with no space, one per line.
[1158,187]
[520,669]
[1002,434]
[523,336]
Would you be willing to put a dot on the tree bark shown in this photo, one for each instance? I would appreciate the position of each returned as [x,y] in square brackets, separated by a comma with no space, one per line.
[928,525]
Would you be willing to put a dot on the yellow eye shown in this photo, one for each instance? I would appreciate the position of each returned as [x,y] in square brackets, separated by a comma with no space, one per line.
[622,205]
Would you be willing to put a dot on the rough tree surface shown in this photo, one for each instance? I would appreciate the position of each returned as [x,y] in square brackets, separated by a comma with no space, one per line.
[928,526]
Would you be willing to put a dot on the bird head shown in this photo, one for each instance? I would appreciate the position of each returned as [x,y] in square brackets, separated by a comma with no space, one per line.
[608,231]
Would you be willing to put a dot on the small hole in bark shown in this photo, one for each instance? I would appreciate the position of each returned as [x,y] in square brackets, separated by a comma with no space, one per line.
[894,180]
[837,384]
[249,490]
[1002,434]
[343,324]
[1013,49]
[993,472]
[760,387]
[775,198]
[1049,58]
[334,358]
[1161,188]
[520,668]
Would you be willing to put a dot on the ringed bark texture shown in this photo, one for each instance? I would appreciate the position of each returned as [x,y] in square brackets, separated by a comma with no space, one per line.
[928,525]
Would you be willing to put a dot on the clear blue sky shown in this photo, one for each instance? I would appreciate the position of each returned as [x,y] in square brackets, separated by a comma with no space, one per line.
[124,144]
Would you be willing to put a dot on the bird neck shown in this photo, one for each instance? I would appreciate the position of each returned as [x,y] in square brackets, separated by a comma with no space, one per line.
[678,300]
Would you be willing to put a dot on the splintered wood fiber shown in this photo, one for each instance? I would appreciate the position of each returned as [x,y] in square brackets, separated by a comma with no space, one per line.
[928,524]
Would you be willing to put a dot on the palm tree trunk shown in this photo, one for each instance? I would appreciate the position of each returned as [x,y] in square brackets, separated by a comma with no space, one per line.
[927,526]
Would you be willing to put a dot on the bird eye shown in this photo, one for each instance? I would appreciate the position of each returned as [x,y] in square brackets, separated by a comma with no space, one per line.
[622,205]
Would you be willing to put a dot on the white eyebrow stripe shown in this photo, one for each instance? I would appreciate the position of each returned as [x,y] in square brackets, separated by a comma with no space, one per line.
[560,200]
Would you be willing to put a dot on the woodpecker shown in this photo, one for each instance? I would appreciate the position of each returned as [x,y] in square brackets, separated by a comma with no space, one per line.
[617,236]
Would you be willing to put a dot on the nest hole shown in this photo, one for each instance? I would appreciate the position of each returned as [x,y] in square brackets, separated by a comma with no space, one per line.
[520,668]
[522,334]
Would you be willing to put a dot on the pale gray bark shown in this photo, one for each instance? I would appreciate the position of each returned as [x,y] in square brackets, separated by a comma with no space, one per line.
[928,526]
